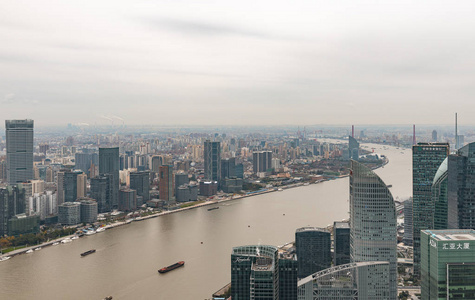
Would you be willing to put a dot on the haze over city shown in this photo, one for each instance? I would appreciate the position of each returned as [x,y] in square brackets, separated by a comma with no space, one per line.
[237,62]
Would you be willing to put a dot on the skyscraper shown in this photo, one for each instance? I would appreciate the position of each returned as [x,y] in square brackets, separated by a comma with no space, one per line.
[313,247]
[434,136]
[448,264]
[408,223]
[82,186]
[373,228]
[12,203]
[228,168]
[101,191]
[439,196]
[212,160]
[109,164]
[19,138]
[261,161]
[341,241]
[140,181]
[165,183]
[68,186]
[461,188]
[426,160]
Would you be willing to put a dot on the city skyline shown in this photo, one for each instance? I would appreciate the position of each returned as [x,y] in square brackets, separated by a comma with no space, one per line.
[306,63]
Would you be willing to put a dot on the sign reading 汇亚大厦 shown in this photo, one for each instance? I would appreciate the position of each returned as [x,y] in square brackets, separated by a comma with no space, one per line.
[452,246]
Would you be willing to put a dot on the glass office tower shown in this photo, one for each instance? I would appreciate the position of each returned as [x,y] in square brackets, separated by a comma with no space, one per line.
[373,228]
[448,264]
[19,138]
[426,160]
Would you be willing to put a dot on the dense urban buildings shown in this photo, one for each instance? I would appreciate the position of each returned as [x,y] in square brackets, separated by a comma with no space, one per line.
[313,247]
[69,213]
[373,229]
[426,160]
[448,264]
[19,150]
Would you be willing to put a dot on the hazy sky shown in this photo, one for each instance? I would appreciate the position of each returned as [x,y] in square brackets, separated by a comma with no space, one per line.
[237,62]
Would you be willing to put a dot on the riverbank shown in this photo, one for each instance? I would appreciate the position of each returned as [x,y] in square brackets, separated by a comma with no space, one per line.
[161,213]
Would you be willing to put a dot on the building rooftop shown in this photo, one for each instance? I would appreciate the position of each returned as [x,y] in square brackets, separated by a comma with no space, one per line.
[452,234]
[341,225]
[305,229]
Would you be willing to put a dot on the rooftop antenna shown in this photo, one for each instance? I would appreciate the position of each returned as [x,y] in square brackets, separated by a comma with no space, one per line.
[352,131]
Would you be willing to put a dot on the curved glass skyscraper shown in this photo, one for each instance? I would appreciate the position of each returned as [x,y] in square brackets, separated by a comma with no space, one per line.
[373,229]
[439,197]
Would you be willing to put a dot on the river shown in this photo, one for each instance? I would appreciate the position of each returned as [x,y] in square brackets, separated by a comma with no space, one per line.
[128,257]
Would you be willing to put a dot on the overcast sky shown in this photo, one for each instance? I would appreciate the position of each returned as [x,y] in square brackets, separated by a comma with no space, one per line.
[237,62]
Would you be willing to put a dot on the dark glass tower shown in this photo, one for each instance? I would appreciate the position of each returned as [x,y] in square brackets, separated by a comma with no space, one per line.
[426,160]
[101,191]
[461,188]
[373,229]
[313,246]
[140,181]
[439,196]
[12,203]
[341,238]
[165,183]
[19,138]
[261,161]
[212,160]
[109,164]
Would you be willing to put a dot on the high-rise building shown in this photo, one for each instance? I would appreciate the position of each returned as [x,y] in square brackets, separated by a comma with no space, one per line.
[440,196]
[448,264]
[353,148]
[68,186]
[84,160]
[261,161]
[434,136]
[12,202]
[109,164]
[373,228]
[101,191]
[140,181]
[88,210]
[19,138]
[461,188]
[180,179]
[212,160]
[165,183]
[157,161]
[341,242]
[228,168]
[426,160]
[127,199]
[313,247]
[408,223]
[69,213]
[259,272]
[82,185]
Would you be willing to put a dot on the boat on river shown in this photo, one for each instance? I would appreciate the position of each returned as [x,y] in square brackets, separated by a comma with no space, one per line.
[217,207]
[171,267]
[88,252]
